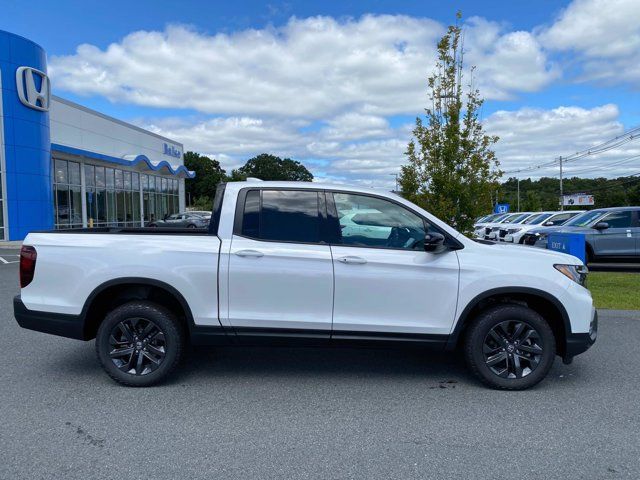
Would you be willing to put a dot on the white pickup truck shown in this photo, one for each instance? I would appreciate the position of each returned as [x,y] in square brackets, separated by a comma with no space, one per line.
[274,266]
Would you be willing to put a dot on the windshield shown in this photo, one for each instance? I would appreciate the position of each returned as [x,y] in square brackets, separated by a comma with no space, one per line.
[536,219]
[510,218]
[518,218]
[584,219]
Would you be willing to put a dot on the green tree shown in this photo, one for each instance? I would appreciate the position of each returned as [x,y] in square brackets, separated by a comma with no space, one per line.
[209,174]
[452,169]
[270,167]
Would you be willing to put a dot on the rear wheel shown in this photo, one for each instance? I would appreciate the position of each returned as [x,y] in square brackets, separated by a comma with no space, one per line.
[510,347]
[139,343]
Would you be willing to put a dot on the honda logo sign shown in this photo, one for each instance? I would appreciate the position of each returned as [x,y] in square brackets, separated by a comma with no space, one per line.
[34,88]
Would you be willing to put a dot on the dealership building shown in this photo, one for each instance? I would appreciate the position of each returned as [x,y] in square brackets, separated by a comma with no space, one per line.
[66,166]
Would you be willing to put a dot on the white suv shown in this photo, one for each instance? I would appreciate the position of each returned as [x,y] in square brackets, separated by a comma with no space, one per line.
[515,233]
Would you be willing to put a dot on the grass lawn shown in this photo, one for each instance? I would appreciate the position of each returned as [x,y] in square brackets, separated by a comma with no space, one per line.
[619,291]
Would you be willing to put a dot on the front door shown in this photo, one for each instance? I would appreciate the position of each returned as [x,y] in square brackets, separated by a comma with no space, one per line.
[280,274]
[384,280]
[619,239]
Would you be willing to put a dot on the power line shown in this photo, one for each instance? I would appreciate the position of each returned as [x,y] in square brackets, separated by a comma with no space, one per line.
[634,177]
[603,147]
[608,165]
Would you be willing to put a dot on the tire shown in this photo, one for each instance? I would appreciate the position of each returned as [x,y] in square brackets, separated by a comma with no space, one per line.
[191,225]
[590,257]
[501,357]
[126,356]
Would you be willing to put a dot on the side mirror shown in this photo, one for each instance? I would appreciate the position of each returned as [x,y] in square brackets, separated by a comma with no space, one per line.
[166,215]
[601,226]
[434,242]
[549,224]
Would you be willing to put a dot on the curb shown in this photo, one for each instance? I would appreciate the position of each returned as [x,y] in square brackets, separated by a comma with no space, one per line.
[635,314]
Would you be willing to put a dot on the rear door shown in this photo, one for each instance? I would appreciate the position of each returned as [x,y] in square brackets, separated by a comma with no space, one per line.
[388,283]
[280,272]
[619,239]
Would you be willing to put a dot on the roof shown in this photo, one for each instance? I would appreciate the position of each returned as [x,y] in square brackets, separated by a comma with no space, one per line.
[305,185]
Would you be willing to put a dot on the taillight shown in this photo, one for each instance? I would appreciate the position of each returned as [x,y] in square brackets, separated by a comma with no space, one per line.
[28,256]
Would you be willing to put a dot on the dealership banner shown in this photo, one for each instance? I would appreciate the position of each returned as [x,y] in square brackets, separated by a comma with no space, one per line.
[579,199]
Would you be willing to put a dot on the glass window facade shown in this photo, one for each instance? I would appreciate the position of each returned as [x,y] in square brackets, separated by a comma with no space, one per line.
[159,196]
[112,197]
[67,194]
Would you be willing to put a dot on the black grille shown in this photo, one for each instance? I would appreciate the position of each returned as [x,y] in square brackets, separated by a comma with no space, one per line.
[503,232]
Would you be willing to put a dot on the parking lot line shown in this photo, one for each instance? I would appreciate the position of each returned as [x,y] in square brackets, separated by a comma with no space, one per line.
[5,261]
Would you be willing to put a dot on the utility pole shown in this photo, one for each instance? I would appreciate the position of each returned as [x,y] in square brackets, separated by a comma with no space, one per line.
[561,190]
[395,175]
[518,195]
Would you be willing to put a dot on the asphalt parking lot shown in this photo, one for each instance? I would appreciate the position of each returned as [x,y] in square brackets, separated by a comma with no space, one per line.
[313,413]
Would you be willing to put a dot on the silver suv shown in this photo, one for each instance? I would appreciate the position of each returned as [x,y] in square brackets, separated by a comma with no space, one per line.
[609,232]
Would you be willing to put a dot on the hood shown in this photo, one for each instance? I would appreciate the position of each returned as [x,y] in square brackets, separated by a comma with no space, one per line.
[516,253]
[561,229]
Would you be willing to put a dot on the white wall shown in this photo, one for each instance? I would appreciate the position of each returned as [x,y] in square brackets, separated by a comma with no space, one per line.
[76,126]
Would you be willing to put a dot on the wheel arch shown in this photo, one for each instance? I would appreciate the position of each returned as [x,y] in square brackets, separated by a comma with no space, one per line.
[544,303]
[115,292]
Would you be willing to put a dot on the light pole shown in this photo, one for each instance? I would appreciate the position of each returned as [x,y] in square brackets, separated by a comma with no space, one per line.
[396,176]
[561,190]
[518,195]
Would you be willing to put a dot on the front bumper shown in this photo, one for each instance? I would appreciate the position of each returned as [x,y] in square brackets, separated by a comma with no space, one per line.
[578,343]
[70,326]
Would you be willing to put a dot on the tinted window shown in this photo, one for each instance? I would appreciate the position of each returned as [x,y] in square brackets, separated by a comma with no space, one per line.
[618,219]
[373,222]
[287,216]
[250,219]
[290,216]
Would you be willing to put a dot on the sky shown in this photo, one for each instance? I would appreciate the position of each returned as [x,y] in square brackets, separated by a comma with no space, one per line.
[337,85]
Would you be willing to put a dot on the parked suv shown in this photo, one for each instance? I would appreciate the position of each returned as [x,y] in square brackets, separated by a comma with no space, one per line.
[496,231]
[609,233]
[515,233]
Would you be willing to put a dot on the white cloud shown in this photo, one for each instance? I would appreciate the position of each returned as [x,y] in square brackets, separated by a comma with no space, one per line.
[341,153]
[534,136]
[506,62]
[312,68]
[322,90]
[604,33]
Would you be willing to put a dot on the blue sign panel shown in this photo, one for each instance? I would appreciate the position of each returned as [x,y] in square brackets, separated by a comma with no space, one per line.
[24,117]
[571,243]
[501,208]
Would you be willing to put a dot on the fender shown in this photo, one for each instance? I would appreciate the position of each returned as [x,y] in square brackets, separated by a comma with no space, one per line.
[140,281]
[463,318]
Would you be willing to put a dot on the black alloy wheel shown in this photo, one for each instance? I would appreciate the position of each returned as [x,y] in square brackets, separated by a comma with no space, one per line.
[509,347]
[138,346]
[139,343]
[512,349]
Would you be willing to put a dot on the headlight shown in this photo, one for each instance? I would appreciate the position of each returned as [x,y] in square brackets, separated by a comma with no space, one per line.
[577,273]
[514,230]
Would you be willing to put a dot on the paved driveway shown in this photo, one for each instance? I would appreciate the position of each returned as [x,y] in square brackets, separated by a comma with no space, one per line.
[314,413]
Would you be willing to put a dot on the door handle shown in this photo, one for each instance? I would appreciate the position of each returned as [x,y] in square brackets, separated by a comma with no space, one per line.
[352,260]
[249,253]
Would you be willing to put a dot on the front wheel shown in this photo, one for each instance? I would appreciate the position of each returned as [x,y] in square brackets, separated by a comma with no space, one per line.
[139,343]
[510,347]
